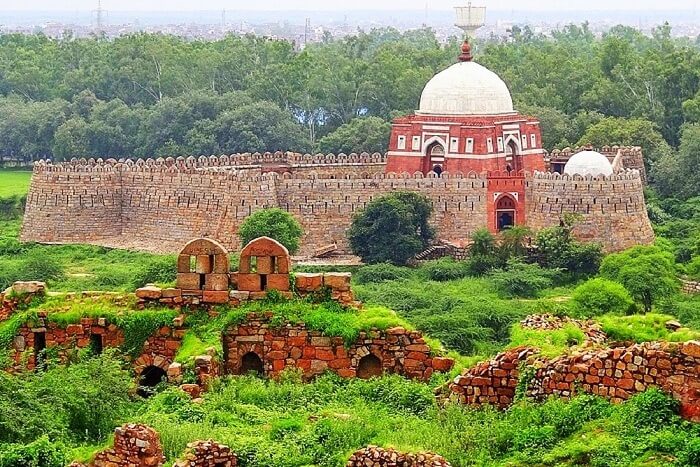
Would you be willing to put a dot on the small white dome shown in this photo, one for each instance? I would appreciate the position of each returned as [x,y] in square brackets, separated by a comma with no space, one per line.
[588,163]
[466,88]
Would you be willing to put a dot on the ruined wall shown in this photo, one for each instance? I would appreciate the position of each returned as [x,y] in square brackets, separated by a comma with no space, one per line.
[274,348]
[373,456]
[615,373]
[613,208]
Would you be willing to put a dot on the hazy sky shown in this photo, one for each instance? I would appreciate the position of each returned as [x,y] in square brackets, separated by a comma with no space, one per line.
[233,5]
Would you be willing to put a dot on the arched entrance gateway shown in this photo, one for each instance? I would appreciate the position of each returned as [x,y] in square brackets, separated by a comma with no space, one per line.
[506,212]
[435,158]
[514,160]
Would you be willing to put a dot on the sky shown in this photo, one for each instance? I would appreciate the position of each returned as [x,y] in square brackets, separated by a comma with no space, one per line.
[233,5]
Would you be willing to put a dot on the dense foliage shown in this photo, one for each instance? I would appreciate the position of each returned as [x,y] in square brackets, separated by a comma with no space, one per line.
[275,223]
[392,228]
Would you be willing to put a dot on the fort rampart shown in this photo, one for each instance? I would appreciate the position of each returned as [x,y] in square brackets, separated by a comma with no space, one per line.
[157,205]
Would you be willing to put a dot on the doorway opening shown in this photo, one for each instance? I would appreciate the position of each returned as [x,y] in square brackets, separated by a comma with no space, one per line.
[252,363]
[505,213]
[369,366]
[150,377]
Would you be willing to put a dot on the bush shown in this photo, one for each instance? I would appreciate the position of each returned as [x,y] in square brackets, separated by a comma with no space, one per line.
[522,280]
[156,271]
[392,228]
[382,272]
[557,249]
[275,223]
[647,272]
[600,296]
[38,266]
[445,269]
[39,453]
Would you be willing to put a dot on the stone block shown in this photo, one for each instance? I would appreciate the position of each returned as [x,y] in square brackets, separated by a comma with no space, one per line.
[183,263]
[264,265]
[265,246]
[172,293]
[278,282]
[244,265]
[149,292]
[239,295]
[691,349]
[284,264]
[188,281]
[215,296]
[221,264]
[248,282]
[203,264]
[216,282]
[337,280]
[308,282]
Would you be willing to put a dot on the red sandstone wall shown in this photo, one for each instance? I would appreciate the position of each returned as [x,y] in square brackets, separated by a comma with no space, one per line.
[294,346]
[613,208]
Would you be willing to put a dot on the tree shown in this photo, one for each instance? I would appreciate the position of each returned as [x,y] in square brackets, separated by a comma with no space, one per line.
[557,249]
[393,228]
[364,134]
[647,272]
[676,174]
[599,296]
[628,132]
[520,279]
[274,223]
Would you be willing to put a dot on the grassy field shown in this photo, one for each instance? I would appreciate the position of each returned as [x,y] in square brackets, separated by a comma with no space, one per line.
[14,182]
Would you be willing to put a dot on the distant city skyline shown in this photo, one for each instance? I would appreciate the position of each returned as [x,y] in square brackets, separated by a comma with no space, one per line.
[274,5]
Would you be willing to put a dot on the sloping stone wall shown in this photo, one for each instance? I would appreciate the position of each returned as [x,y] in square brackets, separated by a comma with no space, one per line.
[612,209]
[295,346]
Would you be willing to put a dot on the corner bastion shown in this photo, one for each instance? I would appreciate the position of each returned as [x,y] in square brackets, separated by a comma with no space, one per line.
[157,205]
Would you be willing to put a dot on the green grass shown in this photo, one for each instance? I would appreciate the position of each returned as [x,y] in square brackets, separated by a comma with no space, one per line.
[644,328]
[551,343]
[14,183]
[328,318]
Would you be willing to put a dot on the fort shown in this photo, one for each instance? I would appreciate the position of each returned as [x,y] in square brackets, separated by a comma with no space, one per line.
[479,162]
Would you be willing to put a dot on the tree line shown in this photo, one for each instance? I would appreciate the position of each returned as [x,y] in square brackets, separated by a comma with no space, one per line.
[148,95]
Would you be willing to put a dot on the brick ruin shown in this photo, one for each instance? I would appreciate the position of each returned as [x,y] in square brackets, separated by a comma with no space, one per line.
[374,456]
[157,205]
[615,373]
[203,282]
[137,445]
[258,346]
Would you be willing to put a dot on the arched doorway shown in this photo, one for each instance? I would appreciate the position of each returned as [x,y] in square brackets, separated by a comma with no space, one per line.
[434,157]
[251,362]
[505,213]
[514,160]
[369,366]
[438,170]
[150,377]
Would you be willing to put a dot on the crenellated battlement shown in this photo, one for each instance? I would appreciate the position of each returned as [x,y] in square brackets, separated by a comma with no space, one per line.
[233,161]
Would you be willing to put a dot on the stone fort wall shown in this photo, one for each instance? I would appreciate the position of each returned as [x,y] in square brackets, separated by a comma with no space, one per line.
[612,209]
[157,205]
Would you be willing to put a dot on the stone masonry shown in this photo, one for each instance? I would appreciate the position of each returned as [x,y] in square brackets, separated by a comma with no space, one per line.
[134,445]
[274,348]
[373,456]
[615,373]
[159,204]
[207,454]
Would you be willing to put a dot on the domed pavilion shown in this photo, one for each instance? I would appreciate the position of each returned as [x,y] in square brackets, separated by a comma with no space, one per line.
[465,122]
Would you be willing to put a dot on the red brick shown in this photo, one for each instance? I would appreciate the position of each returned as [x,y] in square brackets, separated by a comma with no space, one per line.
[278,282]
[214,296]
[249,282]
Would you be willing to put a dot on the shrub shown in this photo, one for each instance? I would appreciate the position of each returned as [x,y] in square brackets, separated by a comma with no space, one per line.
[647,272]
[557,249]
[650,410]
[445,269]
[158,270]
[522,280]
[600,296]
[38,266]
[382,272]
[39,453]
[275,223]
[392,228]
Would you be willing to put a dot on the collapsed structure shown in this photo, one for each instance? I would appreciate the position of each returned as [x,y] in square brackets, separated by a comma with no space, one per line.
[478,161]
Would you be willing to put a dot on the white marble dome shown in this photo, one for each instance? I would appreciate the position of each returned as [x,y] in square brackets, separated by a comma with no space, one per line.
[588,163]
[466,88]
